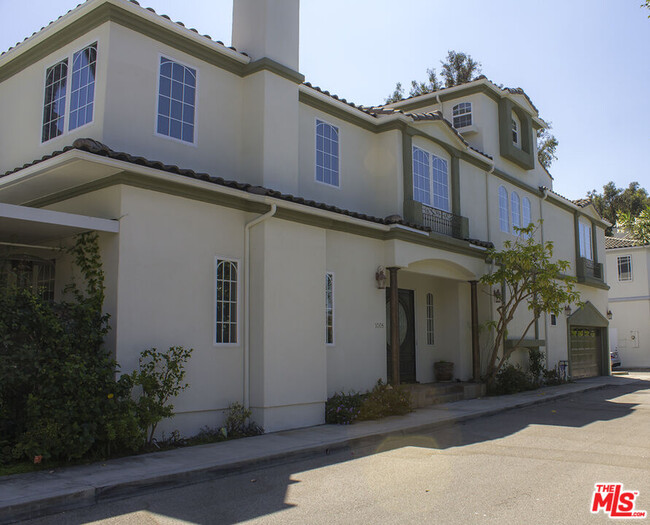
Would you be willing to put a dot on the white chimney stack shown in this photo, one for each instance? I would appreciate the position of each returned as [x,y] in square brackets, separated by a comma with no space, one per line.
[268,28]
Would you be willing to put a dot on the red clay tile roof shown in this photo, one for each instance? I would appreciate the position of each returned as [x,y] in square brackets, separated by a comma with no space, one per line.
[97,148]
[583,203]
[621,242]
[145,8]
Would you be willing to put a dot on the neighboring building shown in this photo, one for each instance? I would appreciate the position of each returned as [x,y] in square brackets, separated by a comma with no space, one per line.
[246,213]
[628,274]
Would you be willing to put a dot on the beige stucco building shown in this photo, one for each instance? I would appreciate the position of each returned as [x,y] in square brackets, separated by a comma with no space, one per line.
[248,214]
[628,274]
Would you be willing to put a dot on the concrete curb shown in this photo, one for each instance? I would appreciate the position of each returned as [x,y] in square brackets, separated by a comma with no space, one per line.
[91,494]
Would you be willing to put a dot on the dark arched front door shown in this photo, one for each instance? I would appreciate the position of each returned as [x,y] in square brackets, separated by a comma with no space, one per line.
[406,336]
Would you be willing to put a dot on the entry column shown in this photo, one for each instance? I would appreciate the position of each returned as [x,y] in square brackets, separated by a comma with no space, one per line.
[394,324]
[476,355]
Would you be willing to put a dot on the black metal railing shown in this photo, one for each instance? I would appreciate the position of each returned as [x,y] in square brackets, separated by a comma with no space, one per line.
[442,221]
[589,269]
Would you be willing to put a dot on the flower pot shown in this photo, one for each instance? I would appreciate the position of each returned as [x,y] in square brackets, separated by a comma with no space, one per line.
[443,371]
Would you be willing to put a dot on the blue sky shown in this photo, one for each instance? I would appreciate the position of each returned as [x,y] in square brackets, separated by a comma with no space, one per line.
[585,64]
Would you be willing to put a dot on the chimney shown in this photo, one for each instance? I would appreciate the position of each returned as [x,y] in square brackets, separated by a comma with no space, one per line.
[267,28]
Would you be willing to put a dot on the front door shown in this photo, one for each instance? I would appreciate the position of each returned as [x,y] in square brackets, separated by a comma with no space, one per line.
[406,336]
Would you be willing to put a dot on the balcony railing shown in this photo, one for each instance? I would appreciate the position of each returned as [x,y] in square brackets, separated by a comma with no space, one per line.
[588,270]
[442,221]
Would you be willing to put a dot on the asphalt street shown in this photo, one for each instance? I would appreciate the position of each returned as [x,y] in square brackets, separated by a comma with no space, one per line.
[536,464]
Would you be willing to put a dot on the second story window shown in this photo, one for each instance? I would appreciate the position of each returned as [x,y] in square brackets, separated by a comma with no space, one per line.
[516,135]
[624,268]
[462,114]
[525,212]
[504,219]
[327,153]
[176,101]
[430,180]
[585,241]
[82,93]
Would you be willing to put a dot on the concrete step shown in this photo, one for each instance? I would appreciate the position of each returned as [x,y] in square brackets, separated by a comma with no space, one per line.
[424,395]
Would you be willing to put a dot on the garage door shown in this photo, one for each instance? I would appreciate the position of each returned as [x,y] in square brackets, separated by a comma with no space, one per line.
[585,352]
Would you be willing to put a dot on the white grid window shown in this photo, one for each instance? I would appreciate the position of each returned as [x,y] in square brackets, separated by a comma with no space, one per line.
[504,220]
[82,93]
[585,241]
[462,114]
[176,100]
[329,308]
[226,302]
[525,212]
[327,153]
[625,268]
[430,180]
[515,209]
[421,176]
[54,104]
[430,339]
[515,131]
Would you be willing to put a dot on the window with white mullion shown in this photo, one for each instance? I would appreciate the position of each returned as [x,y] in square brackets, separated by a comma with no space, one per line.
[515,210]
[430,334]
[504,219]
[585,241]
[327,153]
[329,308]
[54,103]
[624,268]
[525,212]
[421,177]
[440,184]
[515,131]
[176,100]
[226,302]
[462,114]
[82,92]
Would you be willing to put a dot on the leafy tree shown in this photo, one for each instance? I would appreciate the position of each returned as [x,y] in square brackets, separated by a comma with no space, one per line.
[637,227]
[459,68]
[530,278]
[546,146]
[422,88]
[612,201]
[397,95]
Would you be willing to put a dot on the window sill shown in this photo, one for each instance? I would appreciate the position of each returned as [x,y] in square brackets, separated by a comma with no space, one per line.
[468,130]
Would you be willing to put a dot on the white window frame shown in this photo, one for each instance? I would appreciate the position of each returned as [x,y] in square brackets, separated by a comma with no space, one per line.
[526,212]
[504,213]
[329,294]
[584,234]
[619,259]
[69,59]
[195,143]
[515,210]
[432,157]
[338,159]
[466,110]
[516,130]
[235,261]
[430,313]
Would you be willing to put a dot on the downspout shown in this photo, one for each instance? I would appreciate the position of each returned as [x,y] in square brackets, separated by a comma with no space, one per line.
[247,308]
[439,101]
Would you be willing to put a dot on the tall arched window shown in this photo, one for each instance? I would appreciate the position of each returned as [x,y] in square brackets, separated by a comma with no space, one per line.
[226,302]
[525,212]
[430,319]
[504,220]
[462,114]
[516,210]
[327,153]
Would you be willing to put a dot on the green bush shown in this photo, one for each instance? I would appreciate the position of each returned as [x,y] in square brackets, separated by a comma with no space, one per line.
[536,365]
[238,424]
[58,393]
[384,400]
[342,408]
[512,379]
[553,377]
[160,378]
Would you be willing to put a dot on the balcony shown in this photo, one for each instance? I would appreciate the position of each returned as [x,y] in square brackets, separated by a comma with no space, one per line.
[588,271]
[438,221]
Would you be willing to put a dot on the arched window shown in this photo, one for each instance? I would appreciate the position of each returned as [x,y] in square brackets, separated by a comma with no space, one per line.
[430,319]
[525,212]
[226,302]
[504,220]
[329,308]
[176,100]
[462,114]
[327,153]
[516,210]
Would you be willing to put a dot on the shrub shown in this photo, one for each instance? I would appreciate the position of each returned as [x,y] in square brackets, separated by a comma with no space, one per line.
[510,380]
[536,365]
[238,424]
[384,400]
[161,377]
[553,377]
[342,409]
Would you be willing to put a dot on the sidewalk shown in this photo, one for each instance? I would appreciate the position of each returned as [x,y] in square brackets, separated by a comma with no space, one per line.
[24,496]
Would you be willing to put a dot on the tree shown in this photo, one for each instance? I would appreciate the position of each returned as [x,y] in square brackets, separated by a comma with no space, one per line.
[422,88]
[525,270]
[637,227]
[397,95]
[459,68]
[613,201]
[546,146]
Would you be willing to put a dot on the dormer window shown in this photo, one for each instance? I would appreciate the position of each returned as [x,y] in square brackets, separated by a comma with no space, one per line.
[462,115]
[516,126]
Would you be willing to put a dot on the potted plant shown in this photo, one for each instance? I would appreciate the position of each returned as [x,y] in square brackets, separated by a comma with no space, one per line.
[443,370]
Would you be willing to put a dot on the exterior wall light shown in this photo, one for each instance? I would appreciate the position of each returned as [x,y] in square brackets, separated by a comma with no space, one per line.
[380,277]
[609,315]
[567,310]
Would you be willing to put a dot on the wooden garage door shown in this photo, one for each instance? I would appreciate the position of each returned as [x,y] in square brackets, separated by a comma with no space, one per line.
[585,352]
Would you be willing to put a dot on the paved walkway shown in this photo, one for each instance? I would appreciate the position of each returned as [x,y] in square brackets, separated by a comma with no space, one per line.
[35,494]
